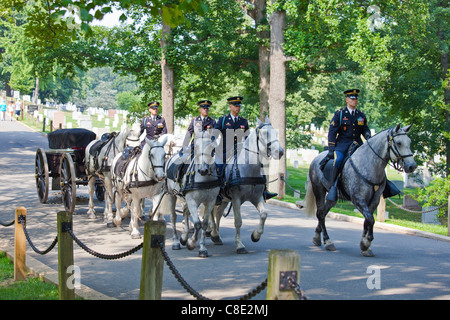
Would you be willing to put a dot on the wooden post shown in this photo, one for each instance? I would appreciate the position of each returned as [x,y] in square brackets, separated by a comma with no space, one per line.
[282,264]
[152,261]
[65,256]
[20,272]
[381,210]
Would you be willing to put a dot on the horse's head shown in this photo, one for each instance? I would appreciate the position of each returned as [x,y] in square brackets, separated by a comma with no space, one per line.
[204,146]
[157,157]
[132,135]
[268,140]
[399,149]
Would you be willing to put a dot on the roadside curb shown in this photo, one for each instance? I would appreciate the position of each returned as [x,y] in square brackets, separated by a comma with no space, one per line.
[39,270]
[379,225]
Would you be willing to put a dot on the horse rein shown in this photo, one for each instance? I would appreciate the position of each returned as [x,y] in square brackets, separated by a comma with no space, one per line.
[399,158]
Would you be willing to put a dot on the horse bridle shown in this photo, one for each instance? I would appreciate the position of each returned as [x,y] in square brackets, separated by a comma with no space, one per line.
[398,163]
[150,157]
[268,146]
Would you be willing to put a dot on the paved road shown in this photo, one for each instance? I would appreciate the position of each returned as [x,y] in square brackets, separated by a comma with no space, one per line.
[405,267]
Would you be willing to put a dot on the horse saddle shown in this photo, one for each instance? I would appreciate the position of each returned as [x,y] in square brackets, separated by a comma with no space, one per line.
[128,154]
[176,171]
[326,166]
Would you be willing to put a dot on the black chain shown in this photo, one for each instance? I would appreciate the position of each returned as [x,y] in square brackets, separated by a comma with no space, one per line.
[100,255]
[7,224]
[294,285]
[50,248]
[194,293]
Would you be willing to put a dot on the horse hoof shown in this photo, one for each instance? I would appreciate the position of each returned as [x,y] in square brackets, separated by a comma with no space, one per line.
[135,236]
[208,234]
[190,245]
[317,242]
[110,225]
[330,247]
[91,216]
[216,240]
[367,253]
[176,246]
[182,241]
[203,254]
[254,239]
[241,251]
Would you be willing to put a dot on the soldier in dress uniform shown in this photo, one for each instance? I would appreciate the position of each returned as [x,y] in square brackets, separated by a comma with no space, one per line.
[239,125]
[154,125]
[203,122]
[346,127]
[235,125]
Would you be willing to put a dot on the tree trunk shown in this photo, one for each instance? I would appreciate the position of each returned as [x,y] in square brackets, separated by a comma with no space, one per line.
[167,83]
[36,92]
[277,99]
[264,57]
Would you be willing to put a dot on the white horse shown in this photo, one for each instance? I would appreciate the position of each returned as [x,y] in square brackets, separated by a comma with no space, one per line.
[244,181]
[199,185]
[142,176]
[99,165]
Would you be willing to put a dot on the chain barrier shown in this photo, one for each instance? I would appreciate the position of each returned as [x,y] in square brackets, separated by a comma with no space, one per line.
[67,228]
[293,190]
[294,285]
[7,224]
[414,211]
[194,293]
[101,255]
[50,248]
[390,200]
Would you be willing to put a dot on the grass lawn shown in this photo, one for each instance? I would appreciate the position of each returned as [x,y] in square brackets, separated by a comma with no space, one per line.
[397,216]
[31,289]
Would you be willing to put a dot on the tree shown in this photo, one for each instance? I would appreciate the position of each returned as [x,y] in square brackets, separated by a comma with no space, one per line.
[277,95]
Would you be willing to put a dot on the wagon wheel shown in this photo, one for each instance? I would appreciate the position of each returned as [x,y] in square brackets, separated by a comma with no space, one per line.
[68,183]
[41,175]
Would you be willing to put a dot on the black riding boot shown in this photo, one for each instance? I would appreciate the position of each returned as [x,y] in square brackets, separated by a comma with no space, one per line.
[269,195]
[332,193]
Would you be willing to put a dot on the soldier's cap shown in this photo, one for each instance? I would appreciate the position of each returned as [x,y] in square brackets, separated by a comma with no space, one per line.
[153,104]
[237,101]
[352,93]
[204,104]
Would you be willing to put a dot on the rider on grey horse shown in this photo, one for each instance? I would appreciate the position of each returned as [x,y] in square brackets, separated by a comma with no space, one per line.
[238,125]
[346,127]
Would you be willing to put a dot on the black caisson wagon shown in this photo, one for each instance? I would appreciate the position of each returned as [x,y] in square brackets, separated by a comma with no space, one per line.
[64,163]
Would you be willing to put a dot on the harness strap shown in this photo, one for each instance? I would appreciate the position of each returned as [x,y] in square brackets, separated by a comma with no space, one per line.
[364,178]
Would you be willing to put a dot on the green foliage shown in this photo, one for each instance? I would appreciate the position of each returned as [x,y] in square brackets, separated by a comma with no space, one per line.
[436,194]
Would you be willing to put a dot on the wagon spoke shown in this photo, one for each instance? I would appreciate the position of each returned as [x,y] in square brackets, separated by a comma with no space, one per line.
[68,182]
[41,175]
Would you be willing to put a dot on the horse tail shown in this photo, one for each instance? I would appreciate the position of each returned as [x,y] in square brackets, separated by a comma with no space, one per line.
[309,204]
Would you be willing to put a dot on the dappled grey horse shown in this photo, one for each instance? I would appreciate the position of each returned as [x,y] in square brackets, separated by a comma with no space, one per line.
[98,159]
[244,180]
[197,185]
[362,181]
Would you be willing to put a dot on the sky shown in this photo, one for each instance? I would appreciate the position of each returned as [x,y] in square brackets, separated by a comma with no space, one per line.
[109,20]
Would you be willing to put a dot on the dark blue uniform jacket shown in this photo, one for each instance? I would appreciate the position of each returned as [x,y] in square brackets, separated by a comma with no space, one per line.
[345,128]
